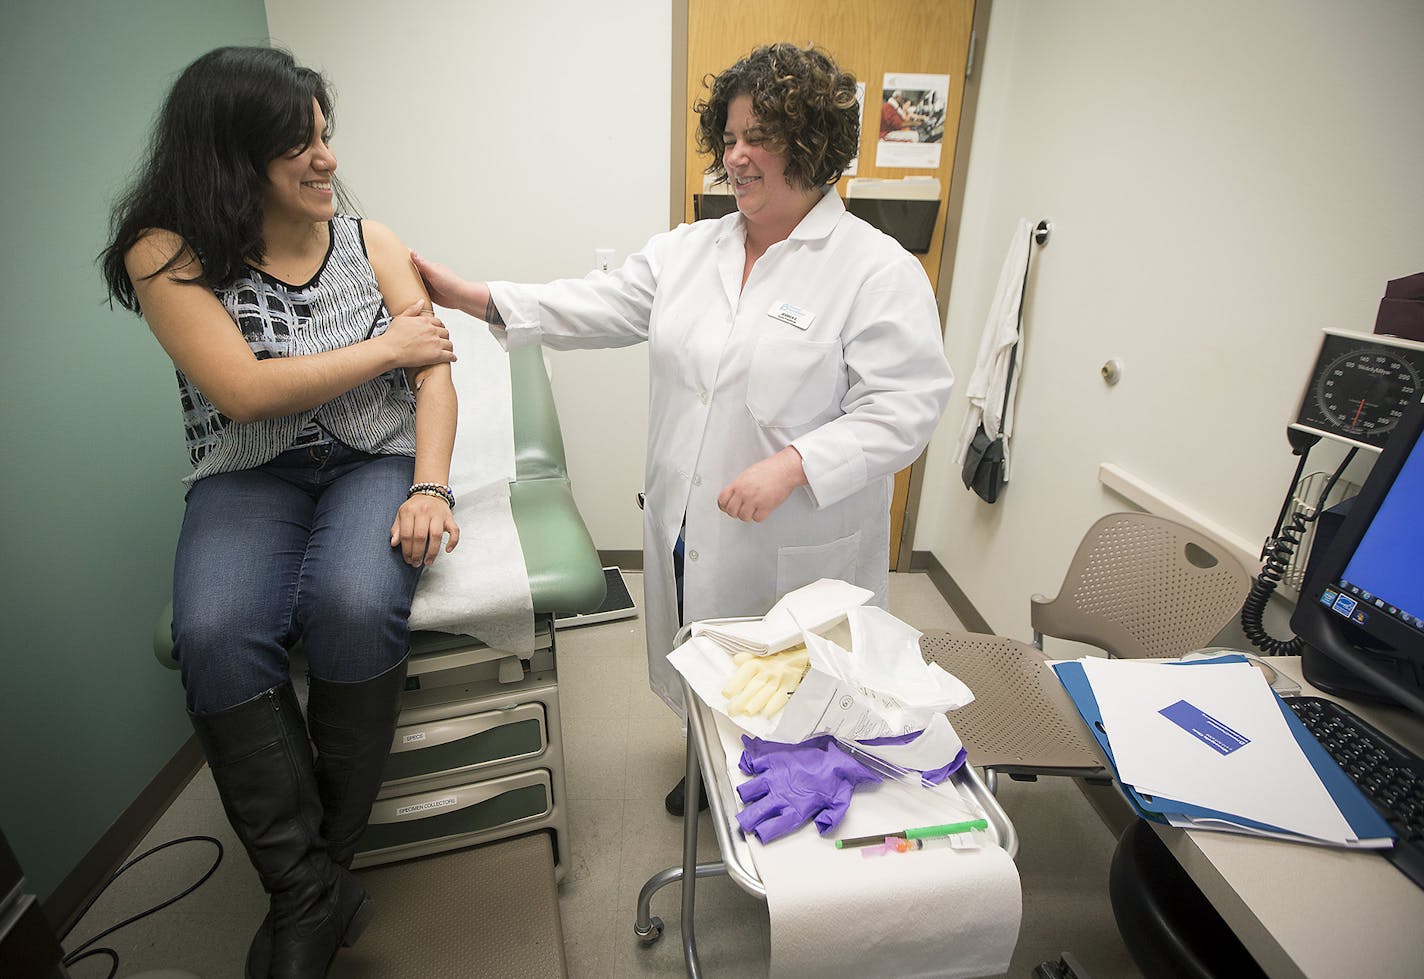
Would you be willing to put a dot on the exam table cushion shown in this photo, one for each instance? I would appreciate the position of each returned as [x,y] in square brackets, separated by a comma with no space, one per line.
[565,574]
[538,443]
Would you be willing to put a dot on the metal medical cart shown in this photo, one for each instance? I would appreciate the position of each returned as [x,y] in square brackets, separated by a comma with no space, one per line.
[705,757]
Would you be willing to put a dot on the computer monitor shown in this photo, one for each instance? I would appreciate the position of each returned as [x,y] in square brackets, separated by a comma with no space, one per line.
[1362,604]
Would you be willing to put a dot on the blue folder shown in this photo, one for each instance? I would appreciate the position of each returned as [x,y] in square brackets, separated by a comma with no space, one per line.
[1364,820]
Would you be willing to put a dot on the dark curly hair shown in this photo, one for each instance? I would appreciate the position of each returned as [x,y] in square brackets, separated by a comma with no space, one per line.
[803,102]
[229,114]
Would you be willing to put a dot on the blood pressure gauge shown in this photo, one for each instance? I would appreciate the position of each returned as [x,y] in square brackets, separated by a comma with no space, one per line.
[1360,387]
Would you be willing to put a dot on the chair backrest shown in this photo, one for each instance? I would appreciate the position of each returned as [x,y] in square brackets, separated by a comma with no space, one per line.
[1021,720]
[1143,586]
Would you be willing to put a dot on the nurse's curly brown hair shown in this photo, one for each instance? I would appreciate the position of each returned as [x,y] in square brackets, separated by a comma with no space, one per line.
[804,104]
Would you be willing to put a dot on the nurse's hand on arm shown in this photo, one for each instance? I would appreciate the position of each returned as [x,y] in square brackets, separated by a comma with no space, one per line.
[201,339]
[423,519]
[448,289]
[763,486]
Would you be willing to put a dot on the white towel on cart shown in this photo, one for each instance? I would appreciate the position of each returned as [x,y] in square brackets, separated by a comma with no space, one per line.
[935,912]
[808,608]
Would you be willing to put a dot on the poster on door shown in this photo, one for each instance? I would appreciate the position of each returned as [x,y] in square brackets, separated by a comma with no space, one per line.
[912,111]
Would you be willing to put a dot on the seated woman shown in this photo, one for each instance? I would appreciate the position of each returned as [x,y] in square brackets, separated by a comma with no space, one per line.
[320,428]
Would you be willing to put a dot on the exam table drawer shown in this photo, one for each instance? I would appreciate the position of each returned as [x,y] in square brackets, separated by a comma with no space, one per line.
[467,743]
[461,810]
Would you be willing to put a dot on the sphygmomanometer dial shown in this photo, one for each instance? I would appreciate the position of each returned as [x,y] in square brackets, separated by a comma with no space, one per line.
[1360,387]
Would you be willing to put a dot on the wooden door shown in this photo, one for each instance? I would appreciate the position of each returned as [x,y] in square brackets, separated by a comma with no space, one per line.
[869,38]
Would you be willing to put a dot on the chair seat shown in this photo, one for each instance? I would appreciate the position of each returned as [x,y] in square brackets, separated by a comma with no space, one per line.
[1021,721]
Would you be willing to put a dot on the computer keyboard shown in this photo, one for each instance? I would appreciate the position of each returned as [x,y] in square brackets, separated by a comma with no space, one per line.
[1390,776]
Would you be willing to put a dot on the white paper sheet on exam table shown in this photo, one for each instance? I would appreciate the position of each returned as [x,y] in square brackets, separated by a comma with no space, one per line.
[1268,779]
[481,588]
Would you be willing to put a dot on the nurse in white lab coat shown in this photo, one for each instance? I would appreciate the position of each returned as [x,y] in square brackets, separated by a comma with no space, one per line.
[796,360]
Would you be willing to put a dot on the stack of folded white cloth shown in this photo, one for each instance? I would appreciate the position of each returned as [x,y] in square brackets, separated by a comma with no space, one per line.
[806,609]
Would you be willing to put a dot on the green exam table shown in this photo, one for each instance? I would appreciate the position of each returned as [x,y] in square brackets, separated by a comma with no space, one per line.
[478,752]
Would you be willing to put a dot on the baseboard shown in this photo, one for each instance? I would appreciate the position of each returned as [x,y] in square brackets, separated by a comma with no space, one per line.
[944,583]
[922,561]
[73,895]
[627,560]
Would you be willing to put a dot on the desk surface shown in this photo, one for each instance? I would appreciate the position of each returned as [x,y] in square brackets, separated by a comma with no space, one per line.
[1311,910]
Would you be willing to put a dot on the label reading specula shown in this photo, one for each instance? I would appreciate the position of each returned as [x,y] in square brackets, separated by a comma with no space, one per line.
[1204,727]
[795,315]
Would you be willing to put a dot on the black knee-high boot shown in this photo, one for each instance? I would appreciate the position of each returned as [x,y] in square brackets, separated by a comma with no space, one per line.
[262,765]
[352,725]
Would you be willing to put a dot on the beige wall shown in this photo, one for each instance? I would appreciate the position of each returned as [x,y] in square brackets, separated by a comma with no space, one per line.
[509,140]
[1225,180]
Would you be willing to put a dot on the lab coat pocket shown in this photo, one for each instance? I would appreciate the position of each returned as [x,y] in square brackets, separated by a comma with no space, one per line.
[792,381]
[800,566]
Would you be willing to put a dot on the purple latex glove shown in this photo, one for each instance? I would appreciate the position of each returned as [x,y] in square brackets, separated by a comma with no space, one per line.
[934,775]
[792,784]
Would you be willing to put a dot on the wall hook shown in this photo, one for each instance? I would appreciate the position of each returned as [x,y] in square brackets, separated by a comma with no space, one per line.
[1042,231]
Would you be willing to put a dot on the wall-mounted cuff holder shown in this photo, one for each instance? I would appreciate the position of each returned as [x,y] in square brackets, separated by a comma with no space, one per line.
[911,223]
[905,209]
[713,206]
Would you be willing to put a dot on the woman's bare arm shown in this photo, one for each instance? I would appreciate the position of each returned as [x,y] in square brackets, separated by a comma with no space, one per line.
[198,334]
[422,519]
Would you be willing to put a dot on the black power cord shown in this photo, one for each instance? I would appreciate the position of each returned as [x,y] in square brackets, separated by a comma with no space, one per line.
[80,953]
[1276,553]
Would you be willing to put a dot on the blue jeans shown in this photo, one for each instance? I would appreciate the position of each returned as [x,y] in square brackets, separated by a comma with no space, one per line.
[297,549]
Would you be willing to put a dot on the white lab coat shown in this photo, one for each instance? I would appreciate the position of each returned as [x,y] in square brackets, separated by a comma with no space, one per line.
[857,387]
[991,400]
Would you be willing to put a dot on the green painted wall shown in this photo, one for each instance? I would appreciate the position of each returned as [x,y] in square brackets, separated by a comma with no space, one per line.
[91,443]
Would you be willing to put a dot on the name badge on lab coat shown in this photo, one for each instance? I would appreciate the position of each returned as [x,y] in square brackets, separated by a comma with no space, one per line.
[795,315]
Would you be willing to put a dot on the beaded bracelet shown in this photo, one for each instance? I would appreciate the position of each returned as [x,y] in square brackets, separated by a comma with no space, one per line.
[437,490]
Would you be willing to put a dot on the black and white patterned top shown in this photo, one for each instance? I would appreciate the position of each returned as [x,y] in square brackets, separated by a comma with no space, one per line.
[340,306]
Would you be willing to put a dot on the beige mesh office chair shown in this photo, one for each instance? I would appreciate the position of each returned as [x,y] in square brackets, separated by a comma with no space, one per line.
[1141,586]
[1138,586]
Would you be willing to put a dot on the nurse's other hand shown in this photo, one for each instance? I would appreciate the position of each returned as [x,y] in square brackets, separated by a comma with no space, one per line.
[763,486]
[448,289]
[420,524]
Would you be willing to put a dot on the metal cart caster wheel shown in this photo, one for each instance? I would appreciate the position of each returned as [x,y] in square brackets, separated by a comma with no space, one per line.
[654,932]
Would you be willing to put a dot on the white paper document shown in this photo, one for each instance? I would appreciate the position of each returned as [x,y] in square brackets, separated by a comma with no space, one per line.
[1212,735]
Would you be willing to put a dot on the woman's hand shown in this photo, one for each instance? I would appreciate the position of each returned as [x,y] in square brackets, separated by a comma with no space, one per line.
[419,525]
[763,486]
[448,289]
[417,338]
